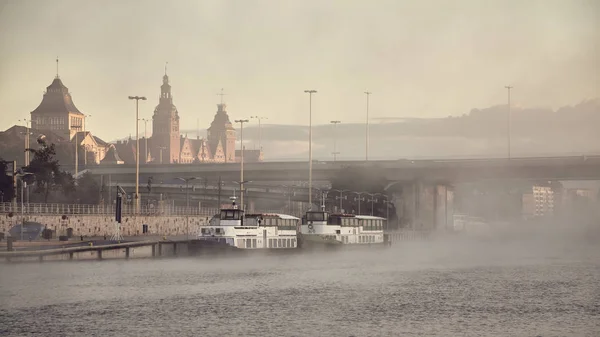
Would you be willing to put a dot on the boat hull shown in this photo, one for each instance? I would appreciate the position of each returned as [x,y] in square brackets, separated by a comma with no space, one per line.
[209,247]
[312,242]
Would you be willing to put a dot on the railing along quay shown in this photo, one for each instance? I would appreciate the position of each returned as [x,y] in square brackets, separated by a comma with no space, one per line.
[127,210]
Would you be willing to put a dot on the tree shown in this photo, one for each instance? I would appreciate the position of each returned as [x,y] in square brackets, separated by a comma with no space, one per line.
[7,189]
[46,170]
[88,190]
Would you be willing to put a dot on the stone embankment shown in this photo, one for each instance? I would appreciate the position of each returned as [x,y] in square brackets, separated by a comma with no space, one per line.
[100,225]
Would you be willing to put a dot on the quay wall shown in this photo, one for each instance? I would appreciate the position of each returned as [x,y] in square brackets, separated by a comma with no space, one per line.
[99,225]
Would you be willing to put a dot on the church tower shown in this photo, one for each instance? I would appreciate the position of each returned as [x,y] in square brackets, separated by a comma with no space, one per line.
[222,133]
[165,126]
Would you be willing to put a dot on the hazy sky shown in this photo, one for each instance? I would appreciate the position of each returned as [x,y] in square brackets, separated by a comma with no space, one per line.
[419,58]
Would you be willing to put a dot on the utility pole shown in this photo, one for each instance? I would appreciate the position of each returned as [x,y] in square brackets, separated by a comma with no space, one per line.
[76,153]
[145,120]
[335,152]
[27,134]
[85,117]
[310,161]
[368,93]
[137,151]
[242,121]
[259,118]
[508,87]
[220,186]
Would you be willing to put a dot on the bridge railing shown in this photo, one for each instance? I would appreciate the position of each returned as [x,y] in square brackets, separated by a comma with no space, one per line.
[82,209]
[109,210]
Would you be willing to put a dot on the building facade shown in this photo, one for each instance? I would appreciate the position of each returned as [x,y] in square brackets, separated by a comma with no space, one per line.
[166,143]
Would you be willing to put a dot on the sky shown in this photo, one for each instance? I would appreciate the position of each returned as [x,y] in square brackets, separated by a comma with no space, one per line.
[418,58]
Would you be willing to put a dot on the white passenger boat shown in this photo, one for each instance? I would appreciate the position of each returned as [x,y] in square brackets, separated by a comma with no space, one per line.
[232,229]
[320,228]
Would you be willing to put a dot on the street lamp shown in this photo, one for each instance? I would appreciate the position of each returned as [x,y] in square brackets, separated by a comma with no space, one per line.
[508,87]
[341,197]
[27,133]
[310,93]
[85,117]
[387,212]
[335,153]
[187,181]
[187,202]
[372,200]
[145,120]
[259,118]
[137,151]
[358,199]
[21,176]
[242,121]
[242,191]
[161,148]
[368,93]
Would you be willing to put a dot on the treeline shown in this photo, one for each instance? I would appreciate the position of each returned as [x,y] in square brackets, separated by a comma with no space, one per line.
[48,183]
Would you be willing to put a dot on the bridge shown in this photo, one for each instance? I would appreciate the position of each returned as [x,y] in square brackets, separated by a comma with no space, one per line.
[420,190]
[451,170]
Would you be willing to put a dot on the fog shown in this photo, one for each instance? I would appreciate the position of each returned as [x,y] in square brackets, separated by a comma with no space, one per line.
[420,59]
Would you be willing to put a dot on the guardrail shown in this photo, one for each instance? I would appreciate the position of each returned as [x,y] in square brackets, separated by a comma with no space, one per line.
[73,209]
[127,210]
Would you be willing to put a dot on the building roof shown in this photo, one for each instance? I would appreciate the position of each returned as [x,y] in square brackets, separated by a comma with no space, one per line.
[126,150]
[221,120]
[112,157]
[57,99]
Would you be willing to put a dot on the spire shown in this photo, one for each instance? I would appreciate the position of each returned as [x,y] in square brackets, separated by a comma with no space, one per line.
[222,94]
[57,67]
[165,89]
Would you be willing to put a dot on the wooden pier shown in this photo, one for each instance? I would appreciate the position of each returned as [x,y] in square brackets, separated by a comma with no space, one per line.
[157,250]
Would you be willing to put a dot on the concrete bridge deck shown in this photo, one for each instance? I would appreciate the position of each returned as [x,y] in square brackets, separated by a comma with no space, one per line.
[547,168]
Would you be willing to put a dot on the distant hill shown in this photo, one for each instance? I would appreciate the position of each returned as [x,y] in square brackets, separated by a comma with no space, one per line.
[479,133]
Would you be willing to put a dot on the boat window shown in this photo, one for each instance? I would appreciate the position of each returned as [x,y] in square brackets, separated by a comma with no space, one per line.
[316,216]
[231,214]
[248,243]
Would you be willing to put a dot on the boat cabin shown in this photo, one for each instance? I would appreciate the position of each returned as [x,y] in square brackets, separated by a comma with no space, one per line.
[315,216]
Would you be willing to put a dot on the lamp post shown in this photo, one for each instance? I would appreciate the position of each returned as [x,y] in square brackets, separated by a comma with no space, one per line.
[187,181]
[335,153]
[368,93]
[137,151]
[372,200]
[341,197]
[27,133]
[187,202]
[85,117]
[242,191]
[21,176]
[358,199]
[310,93]
[259,118]
[387,212]
[77,128]
[161,148]
[508,87]
[242,121]
[145,120]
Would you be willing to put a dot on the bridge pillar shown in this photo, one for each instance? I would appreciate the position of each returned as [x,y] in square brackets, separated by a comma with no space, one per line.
[99,254]
[425,206]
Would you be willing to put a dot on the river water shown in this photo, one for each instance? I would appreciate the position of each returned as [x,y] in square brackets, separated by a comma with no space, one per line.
[457,287]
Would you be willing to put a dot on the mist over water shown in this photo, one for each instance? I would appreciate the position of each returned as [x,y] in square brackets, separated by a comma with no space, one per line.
[542,284]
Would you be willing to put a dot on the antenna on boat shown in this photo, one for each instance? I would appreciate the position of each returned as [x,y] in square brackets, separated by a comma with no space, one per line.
[233,199]
[323,201]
